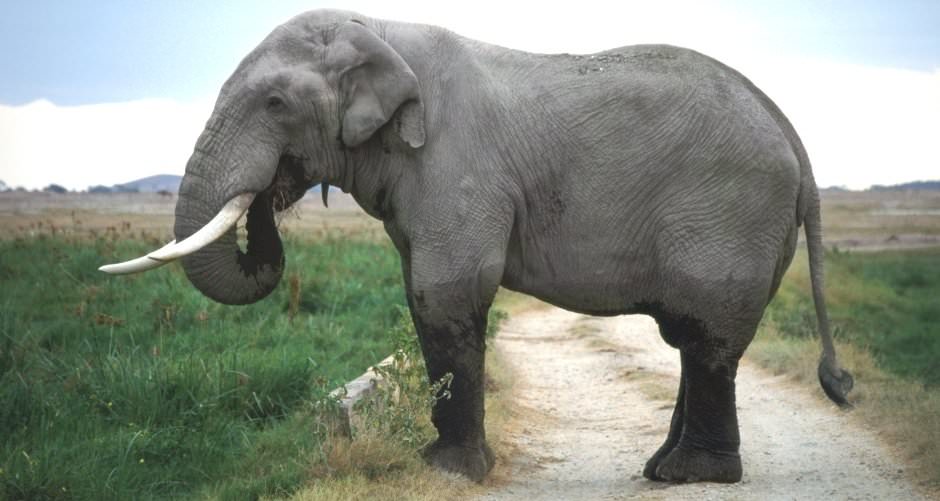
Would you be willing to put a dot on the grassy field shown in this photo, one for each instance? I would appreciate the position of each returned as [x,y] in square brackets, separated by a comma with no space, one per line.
[889,218]
[139,387]
[150,216]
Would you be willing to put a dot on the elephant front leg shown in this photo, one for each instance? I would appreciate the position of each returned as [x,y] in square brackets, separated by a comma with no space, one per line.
[451,279]
[452,341]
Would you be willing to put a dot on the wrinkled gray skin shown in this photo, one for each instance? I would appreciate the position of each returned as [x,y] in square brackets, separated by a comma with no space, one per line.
[646,179]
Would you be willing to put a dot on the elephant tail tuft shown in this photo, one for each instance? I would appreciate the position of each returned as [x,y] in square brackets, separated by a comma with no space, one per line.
[835,382]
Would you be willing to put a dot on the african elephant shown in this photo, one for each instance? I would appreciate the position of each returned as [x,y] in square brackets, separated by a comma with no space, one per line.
[646,179]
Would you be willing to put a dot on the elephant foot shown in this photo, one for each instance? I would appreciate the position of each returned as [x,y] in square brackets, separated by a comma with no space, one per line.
[685,464]
[471,462]
[649,471]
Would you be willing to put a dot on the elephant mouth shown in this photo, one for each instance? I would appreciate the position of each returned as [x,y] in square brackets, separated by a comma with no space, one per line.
[290,182]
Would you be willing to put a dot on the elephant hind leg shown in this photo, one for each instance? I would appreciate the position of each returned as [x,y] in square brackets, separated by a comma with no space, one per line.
[675,431]
[707,448]
[703,439]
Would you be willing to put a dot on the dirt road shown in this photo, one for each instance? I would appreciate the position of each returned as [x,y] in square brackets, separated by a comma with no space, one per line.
[592,400]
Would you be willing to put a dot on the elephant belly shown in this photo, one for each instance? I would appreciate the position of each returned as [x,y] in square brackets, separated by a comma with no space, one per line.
[578,280]
[680,265]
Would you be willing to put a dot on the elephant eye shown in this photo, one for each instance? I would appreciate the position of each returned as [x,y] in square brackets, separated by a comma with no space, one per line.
[275,103]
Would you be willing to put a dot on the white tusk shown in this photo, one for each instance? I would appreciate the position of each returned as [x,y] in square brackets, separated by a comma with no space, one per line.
[209,233]
[135,265]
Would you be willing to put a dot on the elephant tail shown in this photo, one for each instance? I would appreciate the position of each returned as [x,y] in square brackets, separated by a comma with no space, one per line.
[835,381]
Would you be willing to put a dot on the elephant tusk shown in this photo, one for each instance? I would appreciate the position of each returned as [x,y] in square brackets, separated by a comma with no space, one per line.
[135,265]
[209,233]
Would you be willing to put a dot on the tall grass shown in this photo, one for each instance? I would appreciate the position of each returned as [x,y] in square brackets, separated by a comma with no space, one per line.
[138,387]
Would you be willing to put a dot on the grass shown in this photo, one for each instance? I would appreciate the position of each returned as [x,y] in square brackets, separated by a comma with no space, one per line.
[885,302]
[885,313]
[379,460]
[139,387]
[854,215]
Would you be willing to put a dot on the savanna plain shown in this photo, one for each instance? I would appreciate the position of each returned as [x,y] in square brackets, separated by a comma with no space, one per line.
[138,387]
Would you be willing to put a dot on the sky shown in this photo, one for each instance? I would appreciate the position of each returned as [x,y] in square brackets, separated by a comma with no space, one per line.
[107,91]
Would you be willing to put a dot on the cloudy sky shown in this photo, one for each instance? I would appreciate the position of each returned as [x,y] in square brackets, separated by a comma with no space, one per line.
[107,91]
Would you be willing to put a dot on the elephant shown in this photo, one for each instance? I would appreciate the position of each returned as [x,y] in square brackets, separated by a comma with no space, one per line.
[646,179]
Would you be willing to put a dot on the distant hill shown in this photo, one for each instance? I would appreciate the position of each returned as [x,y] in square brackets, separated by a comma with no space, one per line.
[160,183]
[152,184]
[915,186]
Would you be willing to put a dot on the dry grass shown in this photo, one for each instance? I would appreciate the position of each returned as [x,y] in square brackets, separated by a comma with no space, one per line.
[516,302]
[653,385]
[868,218]
[902,413]
[150,216]
[851,219]
[372,467]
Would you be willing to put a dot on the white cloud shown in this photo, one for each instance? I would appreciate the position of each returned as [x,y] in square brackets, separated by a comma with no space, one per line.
[861,124]
[78,146]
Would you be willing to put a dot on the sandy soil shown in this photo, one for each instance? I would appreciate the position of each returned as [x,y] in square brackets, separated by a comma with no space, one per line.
[592,399]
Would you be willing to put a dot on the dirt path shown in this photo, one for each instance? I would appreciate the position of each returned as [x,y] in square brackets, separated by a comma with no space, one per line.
[593,398]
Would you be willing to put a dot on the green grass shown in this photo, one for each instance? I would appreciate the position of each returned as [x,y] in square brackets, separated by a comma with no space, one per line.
[887,303]
[138,387]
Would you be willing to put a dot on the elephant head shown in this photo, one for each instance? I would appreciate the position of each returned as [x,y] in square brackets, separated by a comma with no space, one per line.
[316,89]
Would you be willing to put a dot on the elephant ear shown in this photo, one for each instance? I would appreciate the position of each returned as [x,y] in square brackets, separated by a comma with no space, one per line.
[377,85]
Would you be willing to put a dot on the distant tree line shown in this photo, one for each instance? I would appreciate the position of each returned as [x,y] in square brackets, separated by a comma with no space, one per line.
[915,186]
[118,188]
[58,188]
[162,184]
[133,188]
[52,188]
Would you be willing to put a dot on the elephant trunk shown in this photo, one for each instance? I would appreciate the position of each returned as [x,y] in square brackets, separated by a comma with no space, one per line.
[221,270]
[226,176]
